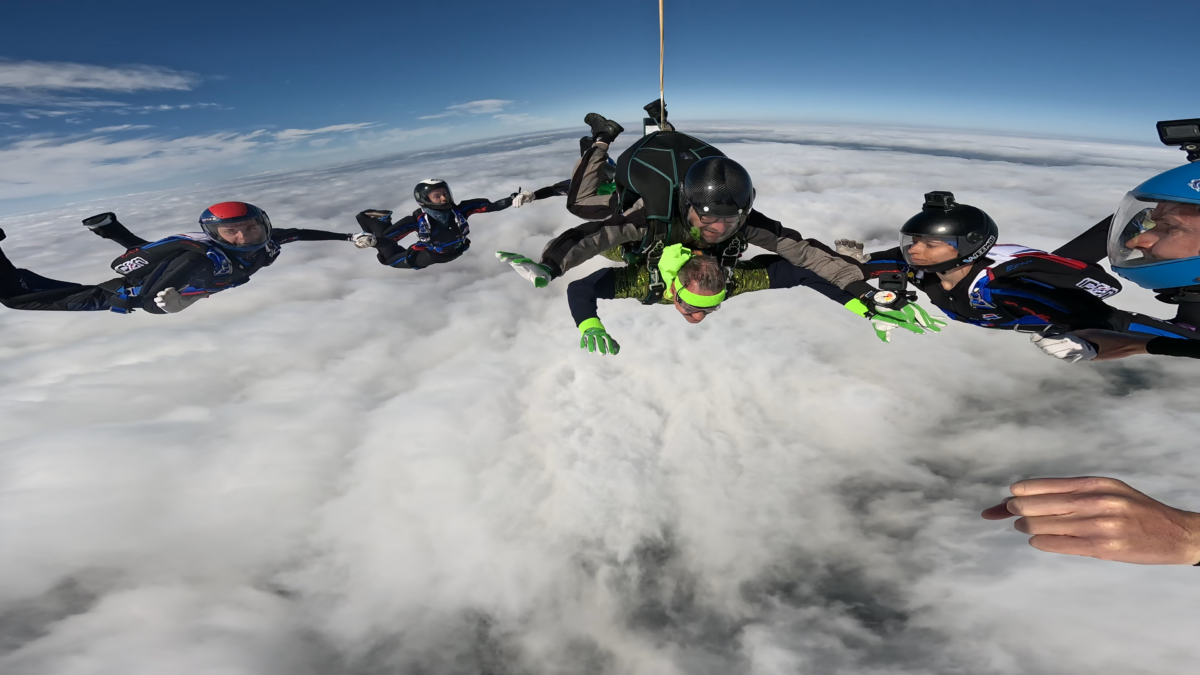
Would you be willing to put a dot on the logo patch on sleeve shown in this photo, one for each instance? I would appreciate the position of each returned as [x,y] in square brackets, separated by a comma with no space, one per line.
[1099,289]
[131,265]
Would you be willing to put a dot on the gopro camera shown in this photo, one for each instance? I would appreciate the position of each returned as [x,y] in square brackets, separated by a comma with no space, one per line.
[1184,133]
[939,200]
[897,283]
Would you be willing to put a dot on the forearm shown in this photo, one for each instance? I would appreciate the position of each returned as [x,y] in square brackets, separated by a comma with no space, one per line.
[286,236]
[769,234]
[579,244]
[783,274]
[582,294]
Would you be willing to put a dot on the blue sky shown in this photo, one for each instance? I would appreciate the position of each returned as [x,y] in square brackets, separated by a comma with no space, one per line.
[97,97]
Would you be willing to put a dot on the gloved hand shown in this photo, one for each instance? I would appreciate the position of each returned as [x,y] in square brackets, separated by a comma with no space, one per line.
[363,240]
[595,337]
[852,249]
[911,317]
[538,274]
[521,199]
[1069,348]
[375,221]
[172,301]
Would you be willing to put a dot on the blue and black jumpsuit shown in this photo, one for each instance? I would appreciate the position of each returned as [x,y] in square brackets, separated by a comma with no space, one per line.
[189,263]
[441,233]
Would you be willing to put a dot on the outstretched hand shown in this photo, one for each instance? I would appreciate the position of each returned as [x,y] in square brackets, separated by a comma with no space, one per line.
[172,301]
[537,273]
[1101,518]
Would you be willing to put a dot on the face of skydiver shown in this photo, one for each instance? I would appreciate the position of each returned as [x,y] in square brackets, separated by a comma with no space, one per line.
[928,251]
[692,314]
[438,196]
[713,229]
[244,233]
[1174,232]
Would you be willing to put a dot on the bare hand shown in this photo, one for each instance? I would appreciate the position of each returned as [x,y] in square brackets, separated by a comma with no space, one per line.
[1101,518]
[1112,345]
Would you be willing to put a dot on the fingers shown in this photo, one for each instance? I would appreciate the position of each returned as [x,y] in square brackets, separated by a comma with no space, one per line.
[998,512]
[1055,543]
[1038,486]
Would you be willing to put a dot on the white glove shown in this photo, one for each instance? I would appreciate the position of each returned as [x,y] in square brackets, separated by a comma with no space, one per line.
[521,199]
[538,274]
[172,301]
[1066,347]
[363,240]
[852,249]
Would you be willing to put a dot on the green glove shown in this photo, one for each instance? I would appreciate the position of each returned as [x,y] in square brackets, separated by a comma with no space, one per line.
[595,337]
[538,274]
[911,317]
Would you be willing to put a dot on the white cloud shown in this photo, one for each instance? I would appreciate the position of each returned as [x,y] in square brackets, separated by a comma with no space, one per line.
[432,477]
[50,75]
[486,106]
[121,127]
[292,134]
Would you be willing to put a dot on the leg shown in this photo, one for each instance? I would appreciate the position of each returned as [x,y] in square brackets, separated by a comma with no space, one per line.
[107,226]
[419,258]
[584,199]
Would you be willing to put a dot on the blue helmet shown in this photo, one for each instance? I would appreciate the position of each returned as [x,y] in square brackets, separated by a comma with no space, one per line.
[1154,239]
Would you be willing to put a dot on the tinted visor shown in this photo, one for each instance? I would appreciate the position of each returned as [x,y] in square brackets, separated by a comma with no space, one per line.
[923,250]
[1145,231]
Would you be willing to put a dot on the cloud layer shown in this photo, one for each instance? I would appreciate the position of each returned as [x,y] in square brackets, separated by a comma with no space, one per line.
[345,468]
[49,75]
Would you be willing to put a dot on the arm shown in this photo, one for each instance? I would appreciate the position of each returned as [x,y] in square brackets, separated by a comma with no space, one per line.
[773,236]
[582,294]
[286,235]
[588,240]
[783,274]
[1091,246]
[189,273]
[557,190]
[472,206]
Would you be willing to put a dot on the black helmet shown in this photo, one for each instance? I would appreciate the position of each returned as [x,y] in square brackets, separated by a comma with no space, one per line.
[718,186]
[968,229]
[421,194]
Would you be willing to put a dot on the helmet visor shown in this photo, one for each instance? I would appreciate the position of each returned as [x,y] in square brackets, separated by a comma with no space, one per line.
[712,228]
[1145,232]
[247,233]
[927,250]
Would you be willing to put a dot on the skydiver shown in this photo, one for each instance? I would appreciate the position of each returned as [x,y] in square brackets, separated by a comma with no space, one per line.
[710,211]
[949,252]
[439,222]
[696,287]
[1101,518]
[167,275]
[1153,240]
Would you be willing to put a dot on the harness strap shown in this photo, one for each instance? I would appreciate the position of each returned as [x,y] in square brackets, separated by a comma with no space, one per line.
[653,247]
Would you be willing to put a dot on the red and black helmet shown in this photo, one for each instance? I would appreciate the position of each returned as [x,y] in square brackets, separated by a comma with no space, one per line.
[237,226]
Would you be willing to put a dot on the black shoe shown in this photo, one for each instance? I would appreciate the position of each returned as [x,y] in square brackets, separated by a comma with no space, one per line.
[653,110]
[585,144]
[603,130]
[100,220]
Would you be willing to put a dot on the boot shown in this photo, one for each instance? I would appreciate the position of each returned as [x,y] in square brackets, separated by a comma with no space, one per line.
[603,130]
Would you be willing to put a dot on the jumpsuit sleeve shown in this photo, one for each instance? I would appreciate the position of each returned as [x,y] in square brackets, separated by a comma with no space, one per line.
[783,274]
[289,234]
[588,240]
[582,294]
[1165,346]
[471,207]
[773,236]
[559,189]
